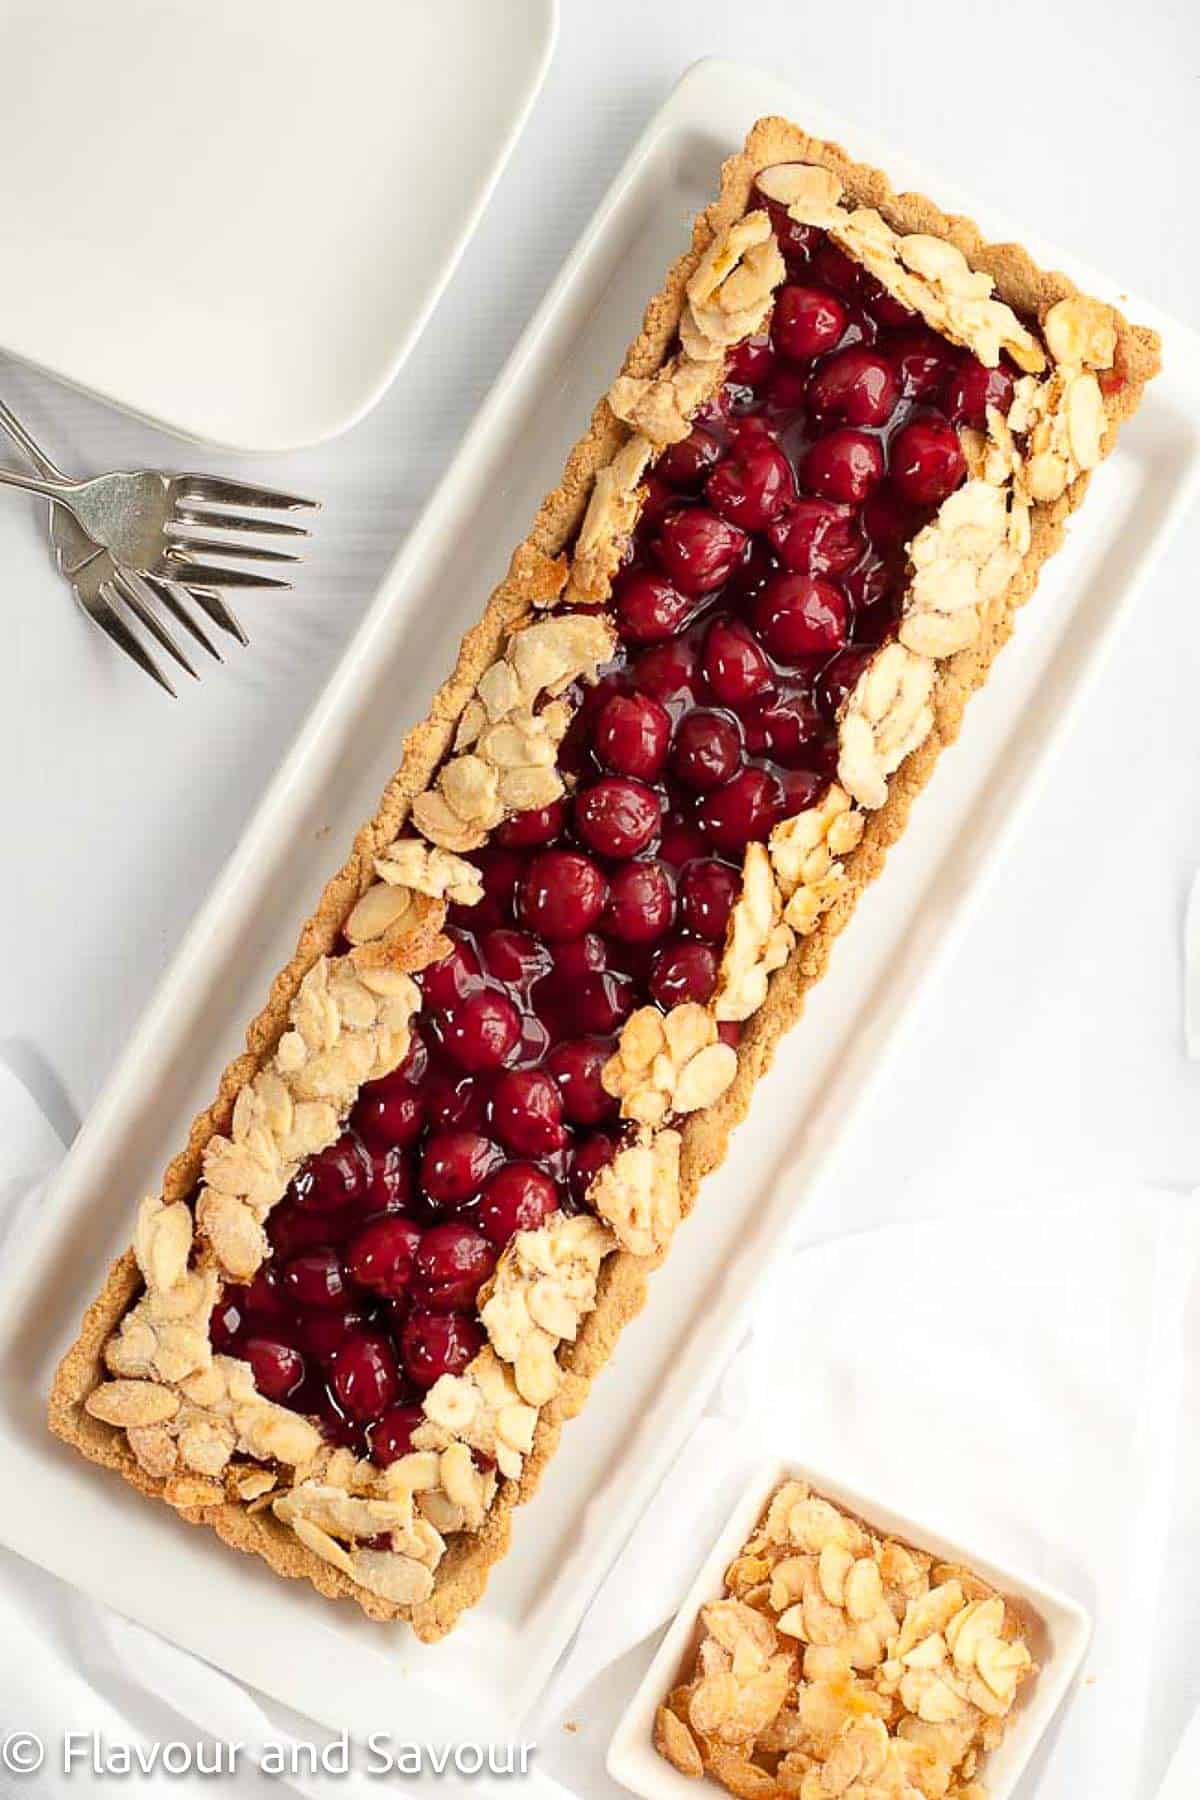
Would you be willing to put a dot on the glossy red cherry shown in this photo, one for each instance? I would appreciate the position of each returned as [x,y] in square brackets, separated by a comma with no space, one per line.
[801,615]
[857,385]
[923,362]
[591,1155]
[707,892]
[616,816]
[927,461]
[787,392]
[647,607]
[386,1115]
[601,1002]
[316,1278]
[659,498]
[734,665]
[381,1256]
[437,1344]
[499,870]
[631,735]
[410,1071]
[452,1265]
[801,789]
[561,894]
[817,537]
[453,1101]
[641,903]
[669,672]
[446,983]
[876,624]
[837,269]
[888,518]
[749,427]
[752,485]
[391,1183]
[686,465]
[397,1312]
[391,1434]
[515,957]
[580,956]
[320,1333]
[707,749]
[484,1031]
[577,1065]
[527,1113]
[741,812]
[263,1298]
[785,727]
[755,568]
[680,841]
[883,306]
[227,1322]
[870,582]
[526,830]
[291,1230]
[683,971]
[840,676]
[796,241]
[455,1166]
[278,1368]
[535,1039]
[696,549]
[333,1177]
[364,1376]
[843,465]
[519,1197]
[750,362]
[973,388]
[807,322]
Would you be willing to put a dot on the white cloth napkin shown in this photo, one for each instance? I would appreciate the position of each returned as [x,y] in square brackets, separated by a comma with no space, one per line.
[1012,1377]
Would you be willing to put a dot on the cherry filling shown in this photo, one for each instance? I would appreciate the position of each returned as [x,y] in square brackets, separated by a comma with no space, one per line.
[768,566]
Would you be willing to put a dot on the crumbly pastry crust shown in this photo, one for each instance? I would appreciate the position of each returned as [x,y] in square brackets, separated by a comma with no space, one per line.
[841,1661]
[819,902]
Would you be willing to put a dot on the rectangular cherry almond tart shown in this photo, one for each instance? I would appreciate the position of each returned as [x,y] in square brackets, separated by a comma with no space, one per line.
[530,1007]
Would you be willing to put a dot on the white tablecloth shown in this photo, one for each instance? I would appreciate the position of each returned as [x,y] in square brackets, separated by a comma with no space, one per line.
[1049,1049]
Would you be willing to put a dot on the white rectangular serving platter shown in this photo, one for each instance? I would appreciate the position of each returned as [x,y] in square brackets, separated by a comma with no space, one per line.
[90,1528]
[1057,1630]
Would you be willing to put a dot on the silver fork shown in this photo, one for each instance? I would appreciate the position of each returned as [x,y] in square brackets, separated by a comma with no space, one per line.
[105,589]
[147,521]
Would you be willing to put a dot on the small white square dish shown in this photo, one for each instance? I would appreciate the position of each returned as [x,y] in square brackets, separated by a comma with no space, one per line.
[1057,1630]
[235,219]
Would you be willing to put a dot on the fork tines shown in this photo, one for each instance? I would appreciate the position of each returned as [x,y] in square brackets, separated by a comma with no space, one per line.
[194,503]
[217,492]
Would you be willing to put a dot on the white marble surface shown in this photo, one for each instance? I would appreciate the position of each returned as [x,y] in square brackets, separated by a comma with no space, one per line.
[1051,1047]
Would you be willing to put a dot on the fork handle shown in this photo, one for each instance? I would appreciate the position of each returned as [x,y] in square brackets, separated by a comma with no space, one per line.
[35,484]
[24,438]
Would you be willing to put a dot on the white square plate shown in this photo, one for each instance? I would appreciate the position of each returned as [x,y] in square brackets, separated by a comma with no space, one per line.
[235,218]
[1058,1635]
[89,1527]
